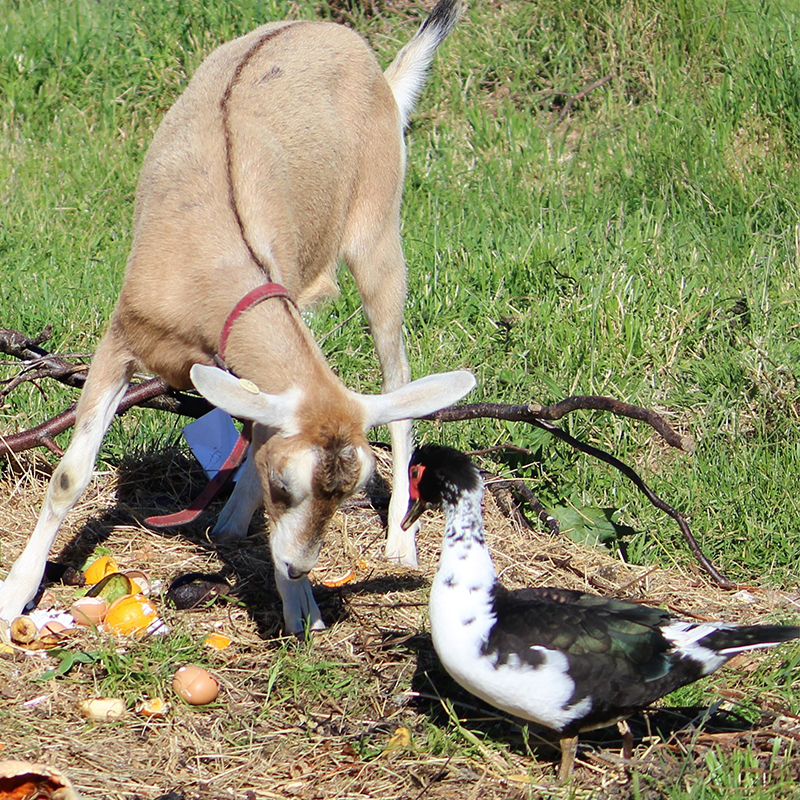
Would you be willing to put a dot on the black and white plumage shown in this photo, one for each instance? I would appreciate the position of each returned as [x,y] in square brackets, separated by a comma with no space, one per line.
[566,660]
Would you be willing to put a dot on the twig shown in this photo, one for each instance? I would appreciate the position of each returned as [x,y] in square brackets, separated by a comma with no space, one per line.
[500,487]
[38,362]
[574,98]
[679,518]
[533,412]
[27,349]
[542,416]
[339,326]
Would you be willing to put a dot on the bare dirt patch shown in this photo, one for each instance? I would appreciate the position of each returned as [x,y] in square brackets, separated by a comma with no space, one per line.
[363,710]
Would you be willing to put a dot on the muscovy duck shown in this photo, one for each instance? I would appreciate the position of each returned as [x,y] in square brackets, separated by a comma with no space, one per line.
[566,660]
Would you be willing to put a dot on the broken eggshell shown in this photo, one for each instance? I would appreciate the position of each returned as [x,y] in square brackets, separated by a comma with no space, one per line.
[140,583]
[153,707]
[47,601]
[53,628]
[21,779]
[88,611]
[52,634]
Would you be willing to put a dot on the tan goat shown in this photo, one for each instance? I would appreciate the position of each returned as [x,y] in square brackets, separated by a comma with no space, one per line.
[283,155]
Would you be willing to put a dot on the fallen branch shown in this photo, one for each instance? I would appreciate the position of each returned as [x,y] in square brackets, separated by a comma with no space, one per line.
[629,473]
[534,413]
[38,363]
[542,416]
[155,393]
[502,489]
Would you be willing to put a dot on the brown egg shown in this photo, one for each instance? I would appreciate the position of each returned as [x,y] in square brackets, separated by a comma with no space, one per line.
[88,611]
[195,685]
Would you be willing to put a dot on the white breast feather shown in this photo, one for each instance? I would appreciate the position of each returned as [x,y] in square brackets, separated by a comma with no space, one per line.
[461,618]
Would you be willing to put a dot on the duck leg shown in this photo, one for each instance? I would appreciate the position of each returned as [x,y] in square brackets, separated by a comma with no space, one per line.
[569,749]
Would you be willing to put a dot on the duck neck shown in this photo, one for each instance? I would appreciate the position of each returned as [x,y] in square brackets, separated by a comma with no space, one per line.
[465,558]
[461,608]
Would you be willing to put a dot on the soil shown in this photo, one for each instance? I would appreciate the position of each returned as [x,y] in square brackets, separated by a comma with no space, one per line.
[362,710]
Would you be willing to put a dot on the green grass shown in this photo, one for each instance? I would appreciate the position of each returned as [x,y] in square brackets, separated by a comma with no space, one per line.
[645,246]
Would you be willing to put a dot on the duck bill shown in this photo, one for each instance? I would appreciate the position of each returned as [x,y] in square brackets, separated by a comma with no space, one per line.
[415,509]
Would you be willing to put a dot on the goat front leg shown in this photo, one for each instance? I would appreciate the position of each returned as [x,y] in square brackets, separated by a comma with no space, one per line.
[381,280]
[247,496]
[105,386]
[300,609]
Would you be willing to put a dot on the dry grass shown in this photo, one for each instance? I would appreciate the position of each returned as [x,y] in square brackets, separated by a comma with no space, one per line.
[318,720]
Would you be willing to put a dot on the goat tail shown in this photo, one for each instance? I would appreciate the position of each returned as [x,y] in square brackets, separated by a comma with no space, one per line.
[406,74]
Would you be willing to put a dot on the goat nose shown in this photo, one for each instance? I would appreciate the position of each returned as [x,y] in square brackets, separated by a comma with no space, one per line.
[295,573]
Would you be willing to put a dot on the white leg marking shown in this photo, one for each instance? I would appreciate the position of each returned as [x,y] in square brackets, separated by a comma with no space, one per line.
[247,496]
[401,546]
[299,605]
[68,483]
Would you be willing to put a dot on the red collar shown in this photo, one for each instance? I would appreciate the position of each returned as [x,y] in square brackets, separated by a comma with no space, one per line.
[263,292]
[236,457]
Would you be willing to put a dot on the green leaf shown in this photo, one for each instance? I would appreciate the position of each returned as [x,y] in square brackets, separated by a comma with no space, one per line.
[590,524]
[67,659]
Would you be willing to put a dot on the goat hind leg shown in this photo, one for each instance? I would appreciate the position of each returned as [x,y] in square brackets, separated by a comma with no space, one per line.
[106,384]
[401,545]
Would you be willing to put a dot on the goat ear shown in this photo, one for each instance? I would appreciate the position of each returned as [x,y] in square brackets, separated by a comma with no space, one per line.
[418,398]
[243,399]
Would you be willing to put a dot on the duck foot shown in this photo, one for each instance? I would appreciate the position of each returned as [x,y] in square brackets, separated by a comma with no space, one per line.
[627,739]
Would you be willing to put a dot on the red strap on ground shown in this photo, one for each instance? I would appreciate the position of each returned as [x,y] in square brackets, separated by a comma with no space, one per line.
[198,505]
[237,455]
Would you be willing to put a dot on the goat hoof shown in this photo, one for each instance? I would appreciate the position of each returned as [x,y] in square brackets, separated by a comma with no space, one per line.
[403,559]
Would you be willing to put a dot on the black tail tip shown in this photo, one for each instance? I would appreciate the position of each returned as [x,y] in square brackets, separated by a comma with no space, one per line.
[443,17]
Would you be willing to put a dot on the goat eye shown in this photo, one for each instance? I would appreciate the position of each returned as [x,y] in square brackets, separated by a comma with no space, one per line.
[279,486]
